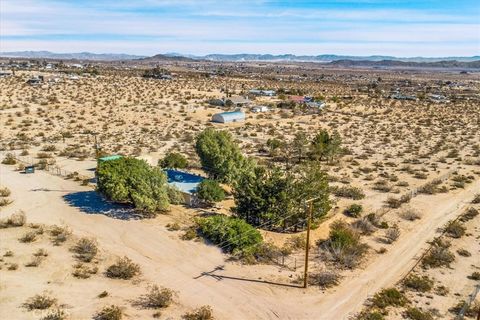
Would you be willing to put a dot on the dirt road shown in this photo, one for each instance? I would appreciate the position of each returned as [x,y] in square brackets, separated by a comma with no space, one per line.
[179,264]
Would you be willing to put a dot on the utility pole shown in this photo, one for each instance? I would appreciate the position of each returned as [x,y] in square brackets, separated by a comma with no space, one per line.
[307,247]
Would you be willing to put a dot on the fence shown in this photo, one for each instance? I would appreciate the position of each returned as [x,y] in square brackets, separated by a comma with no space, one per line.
[51,168]
[468,303]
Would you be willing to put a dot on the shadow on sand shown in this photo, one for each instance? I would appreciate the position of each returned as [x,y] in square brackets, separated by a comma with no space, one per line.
[91,202]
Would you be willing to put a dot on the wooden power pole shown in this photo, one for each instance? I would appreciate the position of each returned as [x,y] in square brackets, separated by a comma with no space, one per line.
[307,246]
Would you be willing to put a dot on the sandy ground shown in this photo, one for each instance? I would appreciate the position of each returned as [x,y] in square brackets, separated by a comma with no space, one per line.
[179,265]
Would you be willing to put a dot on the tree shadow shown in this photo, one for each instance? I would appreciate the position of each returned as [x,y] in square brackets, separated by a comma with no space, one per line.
[91,202]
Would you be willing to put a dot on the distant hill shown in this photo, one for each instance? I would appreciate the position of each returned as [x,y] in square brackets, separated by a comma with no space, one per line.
[166,57]
[397,63]
[325,58]
[69,56]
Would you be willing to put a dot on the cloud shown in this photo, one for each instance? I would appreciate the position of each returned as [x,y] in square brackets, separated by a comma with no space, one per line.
[194,26]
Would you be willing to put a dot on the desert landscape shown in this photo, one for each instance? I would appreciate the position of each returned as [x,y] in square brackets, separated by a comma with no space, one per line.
[393,154]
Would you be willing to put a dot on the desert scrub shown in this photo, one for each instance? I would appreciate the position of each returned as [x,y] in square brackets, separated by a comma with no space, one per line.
[455,230]
[40,302]
[85,249]
[123,268]
[233,234]
[418,283]
[17,219]
[414,313]
[439,255]
[353,193]
[410,214]
[9,159]
[202,313]
[354,210]
[392,234]
[112,312]
[4,192]
[59,234]
[157,297]
[82,271]
[325,279]
[389,297]
[28,237]
[56,314]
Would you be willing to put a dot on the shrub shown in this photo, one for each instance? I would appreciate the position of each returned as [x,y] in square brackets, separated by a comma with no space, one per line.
[455,230]
[17,219]
[103,294]
[364,226]
[109,313]
[28,237]
[40,302]
[417,283]
[85,249]
[82,271]
[389,297]
[157,297]
[474,276]
[393,202]
[234,234]
[123,268]
[5,202]
[392,234]
[202,313]
[173,160]
[9,159]
[35,262]
[5,192]
[325,279]
[354,210]
[439,256]
[410,214]
[417,314]
[371,315]
[59,234]
[129,180]
[210,191]
[57,314]
[175,196]
[353,193]
[469,215]
[471,310]
[341,235]
[296,242]
[476,199]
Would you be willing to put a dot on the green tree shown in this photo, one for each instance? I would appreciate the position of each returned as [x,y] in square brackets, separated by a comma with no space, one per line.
[274,198]
[130,180]
[325,146]
[299,145]
[210,191]
[173,160]
[220,156]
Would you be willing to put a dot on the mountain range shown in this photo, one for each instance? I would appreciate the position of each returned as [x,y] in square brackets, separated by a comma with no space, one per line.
[225,57]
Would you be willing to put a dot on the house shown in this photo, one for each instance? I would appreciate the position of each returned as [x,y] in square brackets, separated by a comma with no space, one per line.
[231,116]
[258,92]
[35,80]
[260,109]
[300,99]
[186,182]
[317,104]
[438,98]
[237,101]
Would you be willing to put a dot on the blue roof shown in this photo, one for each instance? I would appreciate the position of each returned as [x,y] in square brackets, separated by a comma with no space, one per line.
[184,181]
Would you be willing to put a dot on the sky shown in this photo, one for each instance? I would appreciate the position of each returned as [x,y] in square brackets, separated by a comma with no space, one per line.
[403,28]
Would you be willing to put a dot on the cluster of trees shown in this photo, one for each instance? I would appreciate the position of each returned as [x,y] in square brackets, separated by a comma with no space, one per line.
[129,180]
[155,72]
[323,146]
[272,197]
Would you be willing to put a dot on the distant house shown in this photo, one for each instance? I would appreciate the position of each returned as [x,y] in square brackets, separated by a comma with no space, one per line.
[35,80]
[317,104]
[300,99]
[5,73]
[438,98]
[231,116]
[258,92]
[238,101]
[399,96]
[186,182]
[260,109]
[216,102]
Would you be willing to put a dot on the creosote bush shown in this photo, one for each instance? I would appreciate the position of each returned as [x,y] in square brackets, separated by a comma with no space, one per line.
[202,313]
[40,302]
[123,268]
[157,297]
[18,219]
[414,313]
[112,312]
[418,283]
[389,297]
[86,249]
[455,230]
